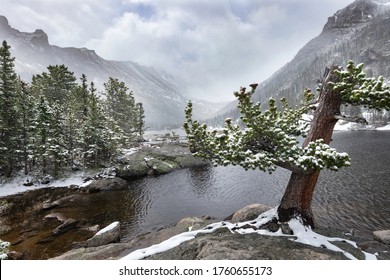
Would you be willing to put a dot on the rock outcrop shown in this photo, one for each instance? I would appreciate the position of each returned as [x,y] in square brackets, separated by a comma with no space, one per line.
[107,235]
[382,236]
[223,244]
[156,161]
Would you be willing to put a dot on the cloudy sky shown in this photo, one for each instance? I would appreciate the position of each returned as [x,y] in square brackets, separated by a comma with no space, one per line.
[213,46]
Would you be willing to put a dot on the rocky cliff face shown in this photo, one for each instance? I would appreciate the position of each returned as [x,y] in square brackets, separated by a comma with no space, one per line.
[161,94]
[359,32]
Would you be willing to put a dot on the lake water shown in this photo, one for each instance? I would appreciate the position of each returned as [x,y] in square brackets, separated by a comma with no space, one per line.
[355,197]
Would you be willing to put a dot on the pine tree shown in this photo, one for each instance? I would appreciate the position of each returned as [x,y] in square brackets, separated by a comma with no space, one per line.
[9,125]
[26,107]
[269,138]
[41,128]
[120,106]
[56,149]
[55,85]
[140,122]
[94,131]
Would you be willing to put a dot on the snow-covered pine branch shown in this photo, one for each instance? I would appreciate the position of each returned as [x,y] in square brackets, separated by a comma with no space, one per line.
[270,138]
[267,140]
[356,89]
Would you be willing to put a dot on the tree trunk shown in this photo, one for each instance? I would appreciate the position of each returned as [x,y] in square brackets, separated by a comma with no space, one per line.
[298,196]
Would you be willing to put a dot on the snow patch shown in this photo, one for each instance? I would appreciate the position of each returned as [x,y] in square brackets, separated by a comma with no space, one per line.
[302,234]
[383,128]
[130,151]
[15,185]
[108,228]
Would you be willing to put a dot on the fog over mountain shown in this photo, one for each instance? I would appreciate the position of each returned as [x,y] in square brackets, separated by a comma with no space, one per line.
[359,32]
[161,94]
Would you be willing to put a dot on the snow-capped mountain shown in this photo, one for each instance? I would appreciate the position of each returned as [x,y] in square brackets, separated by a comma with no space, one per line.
[359,32]
[160,93]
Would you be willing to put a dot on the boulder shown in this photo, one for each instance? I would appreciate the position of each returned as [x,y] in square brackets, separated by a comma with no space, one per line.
[55,216]
[109,234]
[190,223]
[222,244]
[94,228]
[110,184]
[105,252]
[59,202]
[65,226]
[161,166]
[249,212]
[155,161]
[382,236]
[135,169]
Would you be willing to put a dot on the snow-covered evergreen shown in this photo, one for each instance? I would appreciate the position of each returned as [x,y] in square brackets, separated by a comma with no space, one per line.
[55,124]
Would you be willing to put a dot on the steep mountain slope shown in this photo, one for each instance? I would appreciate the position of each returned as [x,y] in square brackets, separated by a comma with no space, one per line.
[359,32]
[160,93]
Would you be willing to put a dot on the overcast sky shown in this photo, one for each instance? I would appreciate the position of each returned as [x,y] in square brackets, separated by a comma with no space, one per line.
[214,46]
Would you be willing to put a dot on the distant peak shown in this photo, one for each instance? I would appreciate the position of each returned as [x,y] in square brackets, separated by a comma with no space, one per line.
[40,37]
[39,32]
[357,12]
[4,24]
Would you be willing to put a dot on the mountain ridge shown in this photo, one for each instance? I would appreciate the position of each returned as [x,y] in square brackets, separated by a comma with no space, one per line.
[161,94]
[359,32]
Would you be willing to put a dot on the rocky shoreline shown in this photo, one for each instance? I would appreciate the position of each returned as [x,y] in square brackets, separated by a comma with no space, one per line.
[35,220]
[223,244]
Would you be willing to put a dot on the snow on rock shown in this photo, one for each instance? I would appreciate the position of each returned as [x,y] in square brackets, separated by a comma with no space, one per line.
[16,185]
[301,234]
[4,249]
[109,234]
[108,228]
[387,127]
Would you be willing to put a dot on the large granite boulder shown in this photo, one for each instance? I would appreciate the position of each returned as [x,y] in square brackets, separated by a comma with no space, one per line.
[109,234]
[249,212]
[155,161]
[382,236]
[110,184]
[224,245]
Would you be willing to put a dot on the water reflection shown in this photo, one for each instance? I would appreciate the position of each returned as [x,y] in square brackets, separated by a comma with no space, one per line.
[356,197]
[201,179]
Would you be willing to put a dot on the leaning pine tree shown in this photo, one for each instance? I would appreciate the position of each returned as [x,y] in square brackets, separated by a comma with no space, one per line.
[268,138]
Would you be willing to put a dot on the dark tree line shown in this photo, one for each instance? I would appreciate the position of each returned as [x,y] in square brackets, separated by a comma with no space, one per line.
[56,124]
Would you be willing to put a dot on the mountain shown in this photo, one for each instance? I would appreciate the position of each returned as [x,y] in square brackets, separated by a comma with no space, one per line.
[160,93]
[359,32]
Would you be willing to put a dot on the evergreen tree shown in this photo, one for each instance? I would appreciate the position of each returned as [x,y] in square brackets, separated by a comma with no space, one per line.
[55,85]
[26,112]
[41,127]
[94,131]
[120,106]
[54,122]
[269,138]
[9,125]
[56,149]
[140,121]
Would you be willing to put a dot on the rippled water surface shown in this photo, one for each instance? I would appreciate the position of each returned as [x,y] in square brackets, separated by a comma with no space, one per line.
[355,197]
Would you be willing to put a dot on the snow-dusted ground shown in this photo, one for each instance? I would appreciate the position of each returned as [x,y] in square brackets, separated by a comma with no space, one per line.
[302,234]
[16,184]
[340,126]
[387,127]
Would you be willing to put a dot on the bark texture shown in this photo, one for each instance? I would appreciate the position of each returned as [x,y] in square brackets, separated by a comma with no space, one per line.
[298,196]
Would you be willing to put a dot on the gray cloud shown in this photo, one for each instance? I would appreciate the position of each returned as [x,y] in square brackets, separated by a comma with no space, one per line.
[214,46]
